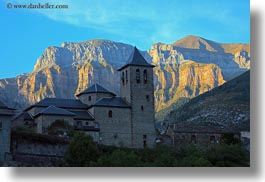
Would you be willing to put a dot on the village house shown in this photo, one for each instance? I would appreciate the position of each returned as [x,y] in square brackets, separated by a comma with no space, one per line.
[126,120]
[199,135]
[5,116]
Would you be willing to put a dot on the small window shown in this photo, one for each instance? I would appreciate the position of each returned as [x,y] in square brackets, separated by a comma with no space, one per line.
[89,98]
[79,123]
[1,125]
[212,139]
[137,76]
[147,98]
[193,139]
[110,113]
[87,123]
[142,108]
[122,78]
[145,76]
[144,141]
[126,76]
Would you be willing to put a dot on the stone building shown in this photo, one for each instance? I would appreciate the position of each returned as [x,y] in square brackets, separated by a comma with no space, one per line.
[5,116]
[199,135]
[127,120]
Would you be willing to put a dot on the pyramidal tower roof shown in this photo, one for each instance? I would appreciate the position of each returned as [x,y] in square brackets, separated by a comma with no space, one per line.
[136,59]
[95,88]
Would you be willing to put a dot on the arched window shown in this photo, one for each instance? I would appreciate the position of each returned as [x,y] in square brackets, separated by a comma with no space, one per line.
[137,76]
[110,113]
[145,76]
[126,76]
[147,98]
[89,98]
[122,78]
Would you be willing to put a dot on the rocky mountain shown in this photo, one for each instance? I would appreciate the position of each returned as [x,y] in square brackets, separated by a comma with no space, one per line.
[184,69]
[226,106]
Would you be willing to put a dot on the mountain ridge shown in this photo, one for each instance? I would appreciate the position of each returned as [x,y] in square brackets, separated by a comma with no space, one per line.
[226,106]
[64,71]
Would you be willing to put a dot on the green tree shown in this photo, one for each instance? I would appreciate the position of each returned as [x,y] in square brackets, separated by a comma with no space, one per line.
[227,156]
[120,158]
[59,127]
[81,152]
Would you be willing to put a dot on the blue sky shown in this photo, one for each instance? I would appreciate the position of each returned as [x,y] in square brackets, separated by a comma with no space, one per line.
[25,33]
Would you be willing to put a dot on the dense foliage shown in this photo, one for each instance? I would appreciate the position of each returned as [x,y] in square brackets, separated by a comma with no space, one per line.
[83,151]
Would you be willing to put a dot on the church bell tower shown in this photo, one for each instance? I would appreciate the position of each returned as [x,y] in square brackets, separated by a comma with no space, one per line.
[137,88]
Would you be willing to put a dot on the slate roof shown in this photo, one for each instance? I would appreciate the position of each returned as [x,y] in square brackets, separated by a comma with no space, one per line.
[62,103]
[2,105]
[52,110]
[82,115]
[4,110]
[95,88]
[204,129]
[111,102]
[136,59]
[26,116]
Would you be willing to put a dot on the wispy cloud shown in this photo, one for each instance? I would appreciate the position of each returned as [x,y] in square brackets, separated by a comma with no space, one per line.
[150,21]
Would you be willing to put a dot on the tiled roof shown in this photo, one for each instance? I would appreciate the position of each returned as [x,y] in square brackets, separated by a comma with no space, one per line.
[112,102]
[95,88]
[52,110]
[82,115]
[62,103]
[136,59]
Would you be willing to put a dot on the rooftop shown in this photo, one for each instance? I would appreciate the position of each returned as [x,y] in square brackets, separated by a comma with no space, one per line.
[26,116]
[62,103]
[203,129]
[52,110]
[136,59]
[95,88]
[4,110]
[112,102]
[2,105]
[84,115]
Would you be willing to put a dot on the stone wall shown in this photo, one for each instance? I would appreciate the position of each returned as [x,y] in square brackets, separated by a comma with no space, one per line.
[4,136]
[84,98]
[196,138]
[44,121]
[115,130]
[142,103]
[199,138]
[29,149]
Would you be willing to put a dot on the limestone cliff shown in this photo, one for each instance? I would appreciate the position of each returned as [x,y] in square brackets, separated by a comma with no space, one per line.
[184,69]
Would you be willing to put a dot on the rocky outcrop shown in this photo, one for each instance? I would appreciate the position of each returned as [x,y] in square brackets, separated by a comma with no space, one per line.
[184,69]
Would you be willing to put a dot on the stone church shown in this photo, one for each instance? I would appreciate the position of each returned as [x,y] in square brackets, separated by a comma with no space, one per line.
[126,120]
